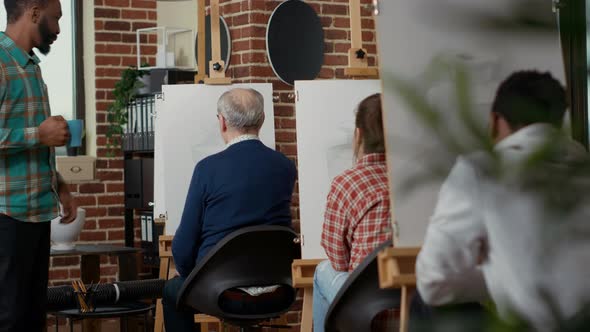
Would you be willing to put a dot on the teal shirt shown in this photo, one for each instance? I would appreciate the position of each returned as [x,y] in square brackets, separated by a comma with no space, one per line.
[28,178]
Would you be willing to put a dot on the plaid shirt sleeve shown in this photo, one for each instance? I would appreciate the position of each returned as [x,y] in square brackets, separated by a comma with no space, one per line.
[335,228]
[14,139]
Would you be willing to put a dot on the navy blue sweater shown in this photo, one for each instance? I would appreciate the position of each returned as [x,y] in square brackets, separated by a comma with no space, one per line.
[247,184]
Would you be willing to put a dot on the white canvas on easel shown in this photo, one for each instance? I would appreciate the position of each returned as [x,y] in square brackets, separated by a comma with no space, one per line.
[411,33]
[187,130]
[325,127]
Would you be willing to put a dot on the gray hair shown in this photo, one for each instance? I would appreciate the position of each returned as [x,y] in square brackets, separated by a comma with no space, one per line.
[243,109]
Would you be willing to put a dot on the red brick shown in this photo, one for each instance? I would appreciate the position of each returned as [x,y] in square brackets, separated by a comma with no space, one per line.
[116,235]
[111,200]
[108,60]
[134,14]
[342,22]
[326,73]
[58,274]
[107,37]
[152,15]
[142,25]
[108,270]
[368,36]
[116,211]
[258,44]
[334,9]
[333,34]
[65,261]
[131,38]
[254,32]
[98,25]
[93,236]
[259,18]
[287,124]
[109,176]
[235,34]
[129,61]
[326,21]
[227,9]
[91,188]
[117,3]
[368,23]
[75,274]
[116,164]
[107,13]
[328,47]
[106,83]
[115,187]
[241,19]
[284,110]
[111,223]
[144,4]
[86,200]
[90,224]
[335,60]
[285,136]
[258,57]
[96,212]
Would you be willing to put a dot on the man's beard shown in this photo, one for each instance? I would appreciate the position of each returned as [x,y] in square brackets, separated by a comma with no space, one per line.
[46,37]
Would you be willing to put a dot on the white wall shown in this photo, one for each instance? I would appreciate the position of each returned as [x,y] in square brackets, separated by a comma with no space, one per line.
[410,34]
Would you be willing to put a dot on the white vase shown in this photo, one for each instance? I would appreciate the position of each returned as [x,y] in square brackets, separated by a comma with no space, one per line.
[63,236]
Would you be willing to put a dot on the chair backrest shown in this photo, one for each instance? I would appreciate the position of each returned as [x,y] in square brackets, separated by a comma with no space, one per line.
[251,256]
[360,299]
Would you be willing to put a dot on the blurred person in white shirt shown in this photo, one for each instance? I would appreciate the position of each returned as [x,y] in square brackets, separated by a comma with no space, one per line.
[510,236]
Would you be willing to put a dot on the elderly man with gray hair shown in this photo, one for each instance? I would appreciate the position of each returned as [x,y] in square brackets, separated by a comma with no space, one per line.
[246,184]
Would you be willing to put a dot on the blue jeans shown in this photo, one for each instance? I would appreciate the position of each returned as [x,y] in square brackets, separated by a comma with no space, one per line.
[326,284]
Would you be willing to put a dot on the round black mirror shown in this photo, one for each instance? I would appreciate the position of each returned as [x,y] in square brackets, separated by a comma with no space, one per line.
[295,42]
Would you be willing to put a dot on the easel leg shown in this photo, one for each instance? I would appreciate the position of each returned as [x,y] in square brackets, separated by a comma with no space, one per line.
[406,299]
[159,321]
[306,313]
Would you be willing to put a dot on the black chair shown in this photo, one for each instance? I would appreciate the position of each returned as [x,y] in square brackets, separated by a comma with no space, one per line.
[252,256]
[360,299]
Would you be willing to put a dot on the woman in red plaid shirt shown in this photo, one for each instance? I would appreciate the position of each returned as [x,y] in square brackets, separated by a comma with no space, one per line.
[357,217]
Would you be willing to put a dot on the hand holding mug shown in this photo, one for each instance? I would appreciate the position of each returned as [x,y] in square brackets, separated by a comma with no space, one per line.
[54,131]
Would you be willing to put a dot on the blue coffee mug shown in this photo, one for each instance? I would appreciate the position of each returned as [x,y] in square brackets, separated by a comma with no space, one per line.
[76,129]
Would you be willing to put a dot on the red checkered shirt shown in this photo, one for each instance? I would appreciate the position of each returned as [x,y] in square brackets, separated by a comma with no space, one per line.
[357,217]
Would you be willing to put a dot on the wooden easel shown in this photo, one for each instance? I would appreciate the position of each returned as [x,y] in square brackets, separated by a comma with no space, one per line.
[167,271]
[201,72]
[397,268]
[302,271]
[216,65]
[358,65]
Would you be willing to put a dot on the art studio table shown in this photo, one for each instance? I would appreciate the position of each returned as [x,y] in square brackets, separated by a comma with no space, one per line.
[90,266]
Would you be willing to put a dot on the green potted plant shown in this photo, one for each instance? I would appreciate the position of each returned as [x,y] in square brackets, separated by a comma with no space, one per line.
[124,92]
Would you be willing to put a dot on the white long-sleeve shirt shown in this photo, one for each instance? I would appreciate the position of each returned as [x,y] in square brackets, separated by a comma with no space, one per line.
[495,238]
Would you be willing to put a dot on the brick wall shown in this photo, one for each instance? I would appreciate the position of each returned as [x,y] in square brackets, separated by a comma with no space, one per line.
[115,24]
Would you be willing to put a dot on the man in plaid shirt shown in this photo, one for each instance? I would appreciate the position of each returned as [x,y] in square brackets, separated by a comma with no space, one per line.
[30,187]
[357,217]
